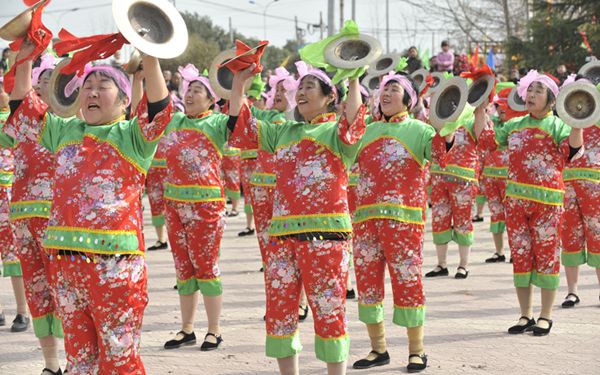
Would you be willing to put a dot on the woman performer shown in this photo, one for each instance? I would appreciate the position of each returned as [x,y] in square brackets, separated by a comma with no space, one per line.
[539,145]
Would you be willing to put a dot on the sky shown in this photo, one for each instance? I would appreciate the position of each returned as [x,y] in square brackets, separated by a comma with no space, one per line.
[407,25]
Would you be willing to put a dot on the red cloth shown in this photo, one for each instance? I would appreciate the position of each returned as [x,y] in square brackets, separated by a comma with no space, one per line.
[39,35]
[243,62]
[96,47]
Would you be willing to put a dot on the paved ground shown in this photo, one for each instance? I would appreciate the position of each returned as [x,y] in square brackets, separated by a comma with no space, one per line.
[465,329]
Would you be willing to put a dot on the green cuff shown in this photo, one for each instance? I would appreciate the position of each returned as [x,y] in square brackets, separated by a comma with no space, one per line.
[158,221]
[593,260]
[371,314]
[232,194]
[442,238]
[572,259]
[480,199]
[462,238]
[210,288]
[12,269]
[498,227]
[522,280]
[283,346]
[332,350]
[248,209]
[47,325]
[545,281]
[409,316]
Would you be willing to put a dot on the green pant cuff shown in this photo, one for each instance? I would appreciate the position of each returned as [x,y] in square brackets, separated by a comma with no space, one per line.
[12,269]
[593,260]
[47,325]
[442,238]
[233,194]
[498,227]
[248,209]
[409,316]
[158,221]
[371,314]
[522,280]
[209,288]
[283,346]
[545,281]
[332,350]
[572,259]
[463,239]
[480,199]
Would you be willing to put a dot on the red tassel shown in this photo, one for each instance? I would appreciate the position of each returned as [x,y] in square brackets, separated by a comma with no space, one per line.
[480,72]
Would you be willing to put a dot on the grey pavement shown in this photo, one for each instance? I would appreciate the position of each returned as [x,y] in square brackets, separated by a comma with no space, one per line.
[465,327]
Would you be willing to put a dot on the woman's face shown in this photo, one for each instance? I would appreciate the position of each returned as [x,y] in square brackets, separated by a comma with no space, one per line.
[100,103]
[280,102]
[390,99]
[42,87]
[197,99]
[310,98]
[536,99]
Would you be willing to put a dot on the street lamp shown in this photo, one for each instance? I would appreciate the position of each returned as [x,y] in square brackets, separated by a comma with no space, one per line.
[265,18]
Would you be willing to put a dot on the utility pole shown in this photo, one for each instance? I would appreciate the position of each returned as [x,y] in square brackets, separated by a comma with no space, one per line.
[230,32]
[354,10]
[296,29]
[341,14]
[387,26]
[321,26]
[330,17]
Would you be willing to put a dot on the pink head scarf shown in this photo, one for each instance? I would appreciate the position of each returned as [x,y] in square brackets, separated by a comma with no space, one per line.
[305,70]
[532,77]
[403,81]
[190,74]
[120,78]
[47,63]
[289,84]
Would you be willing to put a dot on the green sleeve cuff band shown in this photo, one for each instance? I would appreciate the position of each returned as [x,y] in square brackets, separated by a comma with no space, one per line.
[593,260]
[353,179]
[409,316]
[249,154]
[371,314]
[158,220]
[47,325]
[193,193]
[412,215]
[589,174]
[534,193]
[454,170]
[332,350]
[12,269]
[572,259]
[263,179]
[495,172]
[330,223]
[498,227]
[248,209]
[232,194]
[26,209]
[480,199]
[442,238]
[209,288]
[158,163]
[283,346]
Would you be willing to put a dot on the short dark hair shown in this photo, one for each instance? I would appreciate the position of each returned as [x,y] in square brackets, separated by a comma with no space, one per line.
[445,43]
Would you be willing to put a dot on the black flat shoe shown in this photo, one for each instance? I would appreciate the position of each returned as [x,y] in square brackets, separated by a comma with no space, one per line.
[2,319]
[47,371]
[159,246]
[208,346]
[246,232]
[20,324]
[520,328]
[232,213]
[538,331]
[350,294]
[379,360]
[186,339]
[413,367]
[461,275]
[302,316]
[570,302]
[496,258]
[437,271]
[477,219]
